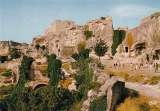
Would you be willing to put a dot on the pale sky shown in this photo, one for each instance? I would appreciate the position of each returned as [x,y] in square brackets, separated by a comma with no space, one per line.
[21,20]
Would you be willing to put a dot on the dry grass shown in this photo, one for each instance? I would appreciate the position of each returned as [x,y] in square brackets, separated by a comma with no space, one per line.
[119,74]
[140,103]
[65,83]
[66,66]
[42,67]
[152,80]
[135,104]
[136,78]
[2,70]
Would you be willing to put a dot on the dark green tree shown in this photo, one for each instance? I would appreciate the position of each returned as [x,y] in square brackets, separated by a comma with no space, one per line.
[18,98]
[88,34]
[100,48]
[54,71]
[83,54]
[118,37]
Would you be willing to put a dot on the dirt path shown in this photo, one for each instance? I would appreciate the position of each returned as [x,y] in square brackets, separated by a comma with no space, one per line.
[147,90]
[130,70]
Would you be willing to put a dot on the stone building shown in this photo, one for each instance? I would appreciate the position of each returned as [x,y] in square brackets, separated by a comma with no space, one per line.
[102,29]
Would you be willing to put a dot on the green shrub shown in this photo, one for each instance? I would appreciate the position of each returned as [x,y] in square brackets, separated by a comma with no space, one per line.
[99,104]
[94,85]
[118,37]
[88,34]
[101,48]
[7,73]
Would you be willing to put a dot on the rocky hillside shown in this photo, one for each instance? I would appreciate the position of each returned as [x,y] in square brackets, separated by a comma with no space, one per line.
[148,31]
[62,36]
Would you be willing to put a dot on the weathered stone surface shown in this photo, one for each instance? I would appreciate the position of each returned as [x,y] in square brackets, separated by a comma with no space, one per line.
[5,47]
[113,88]
[102,29]
[145,32]
[64,36]
[115,95]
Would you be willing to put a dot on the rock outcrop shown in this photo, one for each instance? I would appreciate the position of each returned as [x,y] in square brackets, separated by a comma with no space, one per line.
[113,88]
[5,47]
[148,31]
[102,29]
[62,37]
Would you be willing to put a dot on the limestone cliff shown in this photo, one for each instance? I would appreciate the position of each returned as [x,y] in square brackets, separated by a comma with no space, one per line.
[148,31]
[62,37]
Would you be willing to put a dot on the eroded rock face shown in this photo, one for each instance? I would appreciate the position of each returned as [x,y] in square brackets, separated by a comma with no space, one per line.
[102,29]
[147,31]
[113,88]
[115,95]
[64,36]
[4,48]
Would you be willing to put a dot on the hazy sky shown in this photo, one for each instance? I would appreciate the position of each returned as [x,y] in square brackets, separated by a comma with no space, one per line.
[21,20]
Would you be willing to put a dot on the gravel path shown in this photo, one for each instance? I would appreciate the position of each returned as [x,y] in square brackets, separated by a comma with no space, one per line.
[147,90]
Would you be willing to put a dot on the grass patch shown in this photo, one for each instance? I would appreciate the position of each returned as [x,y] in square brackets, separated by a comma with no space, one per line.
[76,106]
[7,73]
[136,78]
[2,70]
[135,104]
[119,74]
[94,85]
[153,80]
[65,83]
[66,66]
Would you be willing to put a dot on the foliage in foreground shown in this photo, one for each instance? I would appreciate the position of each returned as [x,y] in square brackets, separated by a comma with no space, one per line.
[101,48]
[99,104]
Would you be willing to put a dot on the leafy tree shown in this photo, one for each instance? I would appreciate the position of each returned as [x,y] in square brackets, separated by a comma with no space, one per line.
[14,53]
[83,54]
[18,98]
[54,71]
[118,37]
[64,100]
[24,72]
[88,34]
[100,48]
